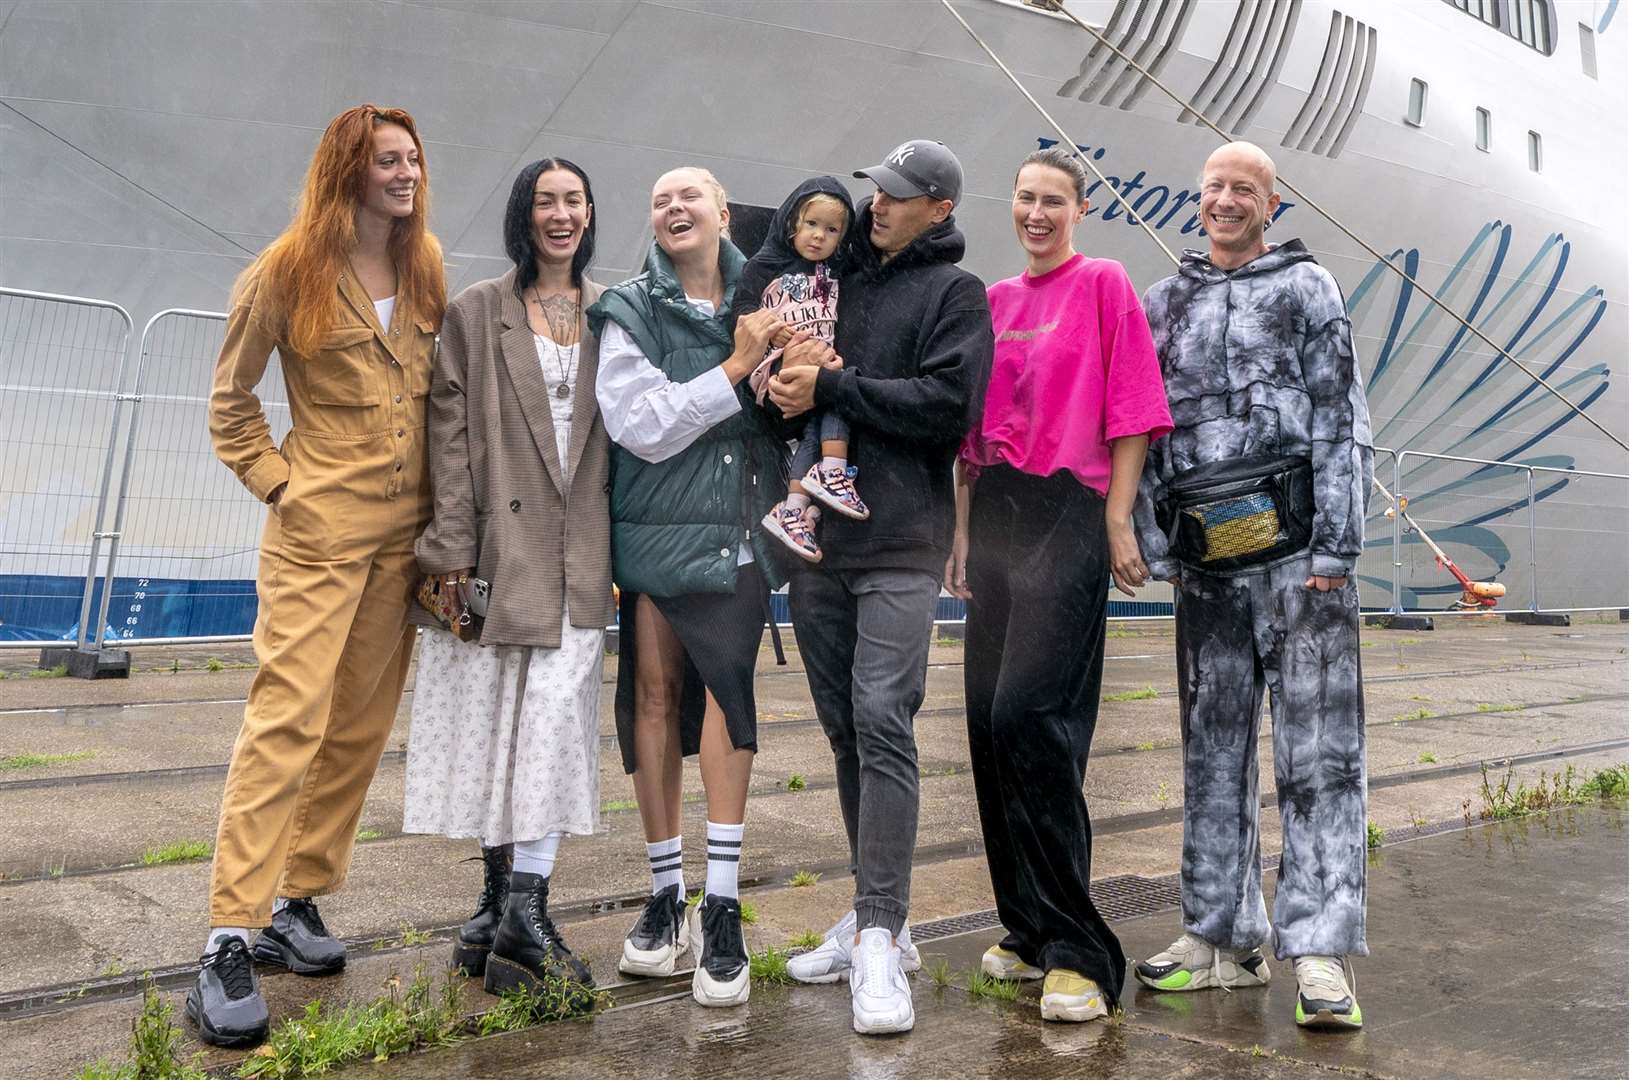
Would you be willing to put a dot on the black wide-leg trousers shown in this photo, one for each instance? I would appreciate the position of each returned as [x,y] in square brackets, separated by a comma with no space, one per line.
[1038,569]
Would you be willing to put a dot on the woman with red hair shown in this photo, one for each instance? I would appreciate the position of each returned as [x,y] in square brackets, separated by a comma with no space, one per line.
[350,296]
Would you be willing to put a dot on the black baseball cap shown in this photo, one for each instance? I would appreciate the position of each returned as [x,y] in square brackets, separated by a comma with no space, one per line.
[918,167]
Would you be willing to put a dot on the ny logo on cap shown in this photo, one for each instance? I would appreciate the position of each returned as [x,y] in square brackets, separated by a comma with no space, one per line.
[900,154]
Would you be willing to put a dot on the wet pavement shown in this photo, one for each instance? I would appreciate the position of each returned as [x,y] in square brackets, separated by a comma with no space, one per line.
[81,917]
[1495,952]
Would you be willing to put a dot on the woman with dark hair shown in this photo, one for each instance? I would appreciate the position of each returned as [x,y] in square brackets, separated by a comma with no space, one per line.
[349,296]
[505,738]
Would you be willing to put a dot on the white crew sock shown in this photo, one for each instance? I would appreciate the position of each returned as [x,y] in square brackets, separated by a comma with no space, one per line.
[724,859]
[536,856]
[829,464]
[798,500]
[666,864]
[219,934]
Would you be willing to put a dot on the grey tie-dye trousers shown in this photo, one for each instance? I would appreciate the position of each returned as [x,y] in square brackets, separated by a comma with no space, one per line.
[1237,637]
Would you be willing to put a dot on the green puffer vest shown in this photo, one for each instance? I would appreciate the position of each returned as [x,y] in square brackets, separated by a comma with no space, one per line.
[677,525]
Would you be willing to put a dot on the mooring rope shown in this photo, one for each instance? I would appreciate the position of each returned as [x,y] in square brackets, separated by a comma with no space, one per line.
[1307,200]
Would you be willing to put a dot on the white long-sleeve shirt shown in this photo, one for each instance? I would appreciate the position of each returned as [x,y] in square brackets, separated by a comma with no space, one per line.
[650,415]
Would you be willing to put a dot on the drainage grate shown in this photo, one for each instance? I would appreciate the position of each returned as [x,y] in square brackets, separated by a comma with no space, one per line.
[1124,897]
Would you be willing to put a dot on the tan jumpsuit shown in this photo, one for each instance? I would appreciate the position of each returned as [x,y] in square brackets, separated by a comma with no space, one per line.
[335,579]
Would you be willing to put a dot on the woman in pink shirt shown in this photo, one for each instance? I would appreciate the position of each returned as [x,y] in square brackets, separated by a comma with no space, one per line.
[1045,487]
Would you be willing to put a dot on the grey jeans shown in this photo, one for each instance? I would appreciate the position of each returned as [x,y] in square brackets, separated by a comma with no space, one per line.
[864,638]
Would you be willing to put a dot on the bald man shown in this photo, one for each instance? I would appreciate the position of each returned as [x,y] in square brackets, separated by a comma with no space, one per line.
[1253,509]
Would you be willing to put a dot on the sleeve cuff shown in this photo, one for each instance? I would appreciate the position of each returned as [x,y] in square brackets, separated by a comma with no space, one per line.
[1332,566]
[715,398]
[828,385]
[266,475]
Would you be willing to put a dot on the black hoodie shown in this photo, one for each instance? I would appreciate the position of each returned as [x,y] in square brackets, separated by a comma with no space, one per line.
[915,338]
[778,256]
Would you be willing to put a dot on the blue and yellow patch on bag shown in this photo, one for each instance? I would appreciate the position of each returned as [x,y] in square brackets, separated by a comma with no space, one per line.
[1235,527]
[1238,513]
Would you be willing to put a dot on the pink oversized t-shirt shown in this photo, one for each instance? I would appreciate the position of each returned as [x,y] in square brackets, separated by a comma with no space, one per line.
[1074,368]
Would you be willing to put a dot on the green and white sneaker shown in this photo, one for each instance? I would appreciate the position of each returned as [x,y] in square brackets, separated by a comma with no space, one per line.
[999,963]
[1325,999]
[1191,963]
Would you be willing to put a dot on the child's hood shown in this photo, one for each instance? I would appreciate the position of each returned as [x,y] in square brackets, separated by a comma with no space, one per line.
[777,253]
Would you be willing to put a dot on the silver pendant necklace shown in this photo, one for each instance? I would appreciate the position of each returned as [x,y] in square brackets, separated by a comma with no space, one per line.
[570,318]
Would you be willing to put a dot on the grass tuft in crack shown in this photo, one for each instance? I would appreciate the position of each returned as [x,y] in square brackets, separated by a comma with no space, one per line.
[155,1045]
[803,878]
[41,761]
[981,985]
[1144,694]
[559,999]
[178,851]
[769,967]
[808,939]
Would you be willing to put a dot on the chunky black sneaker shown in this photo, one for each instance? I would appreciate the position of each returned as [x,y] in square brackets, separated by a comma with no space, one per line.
[528,948]
[723,976]
[475,937]
[661,937]
[297,940]
[225,1001]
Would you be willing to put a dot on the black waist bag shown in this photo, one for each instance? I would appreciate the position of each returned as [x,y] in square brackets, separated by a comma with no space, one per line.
[1233,515]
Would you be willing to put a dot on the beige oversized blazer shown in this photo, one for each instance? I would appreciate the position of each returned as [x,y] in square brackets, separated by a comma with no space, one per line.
[503,501]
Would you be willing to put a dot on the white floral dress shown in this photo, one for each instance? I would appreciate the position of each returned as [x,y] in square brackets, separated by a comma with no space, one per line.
[504,744]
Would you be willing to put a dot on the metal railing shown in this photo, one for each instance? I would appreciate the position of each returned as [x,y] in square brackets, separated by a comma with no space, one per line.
[62,365]
[182,547]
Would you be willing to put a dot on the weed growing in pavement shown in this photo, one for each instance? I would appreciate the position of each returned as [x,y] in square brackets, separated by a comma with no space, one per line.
[1162,794]
[1608,783]
[40,761]
[1133,695]
[155,1042]
[1365,644]
[803,878]
[60,868]
[178,851]
[412,936]
[1428,758]
[1259,1051]
[1115,632]
[620,804]
[796,782]
[1416,819]
[749,914]
[1145,746]
[1419,697]
[214,663]
[769,966]
[939,973]
[981,985]
[1502,800]
[1377,836]
[559,999]
[1422,713]
[324,1037]
[1508,706]
[807,939]
[368,834]
[1409,641]
[58,672]
[112,969]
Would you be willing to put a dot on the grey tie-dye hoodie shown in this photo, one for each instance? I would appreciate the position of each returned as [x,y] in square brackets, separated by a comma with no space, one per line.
[1256,361]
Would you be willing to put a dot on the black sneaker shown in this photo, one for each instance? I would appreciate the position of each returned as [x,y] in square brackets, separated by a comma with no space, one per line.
[475,937]
[225,1001]
[297,940]
[663,934]
[528,948]
[723,974]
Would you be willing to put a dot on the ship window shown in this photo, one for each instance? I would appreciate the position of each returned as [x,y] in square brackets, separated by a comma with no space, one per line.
[1416,102]
[1535,151]
[1532,23]
[1486,10]
[1586,50]
[1484,129]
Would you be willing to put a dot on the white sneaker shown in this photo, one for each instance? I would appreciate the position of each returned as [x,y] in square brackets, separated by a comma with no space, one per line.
[828,962]
[1191,963]
[881,993]
[999,963]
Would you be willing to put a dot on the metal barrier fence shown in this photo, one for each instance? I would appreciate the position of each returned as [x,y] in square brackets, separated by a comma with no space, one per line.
[62,364]
[183,541]
[185,537]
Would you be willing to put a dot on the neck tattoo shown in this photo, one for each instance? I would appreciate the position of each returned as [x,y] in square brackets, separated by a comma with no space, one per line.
[562,314]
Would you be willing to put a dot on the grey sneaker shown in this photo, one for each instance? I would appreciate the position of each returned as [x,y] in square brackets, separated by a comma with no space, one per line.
[225,1001]
[1325,998]
[298,940]
[1192,963]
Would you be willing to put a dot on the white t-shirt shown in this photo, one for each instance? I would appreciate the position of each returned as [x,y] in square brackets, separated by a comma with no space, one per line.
[386,310]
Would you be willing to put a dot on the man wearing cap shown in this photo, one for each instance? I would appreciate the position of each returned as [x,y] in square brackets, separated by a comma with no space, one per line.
[915,340]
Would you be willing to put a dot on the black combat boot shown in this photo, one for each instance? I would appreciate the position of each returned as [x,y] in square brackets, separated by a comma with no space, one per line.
[528,948]
[475,939]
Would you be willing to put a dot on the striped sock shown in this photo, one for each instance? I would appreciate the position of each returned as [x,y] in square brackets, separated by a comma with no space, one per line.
[666,864]
[537,856]
[724,859]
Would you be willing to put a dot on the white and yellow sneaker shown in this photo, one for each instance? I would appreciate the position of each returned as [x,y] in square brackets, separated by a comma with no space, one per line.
[1071,997]
[999,963]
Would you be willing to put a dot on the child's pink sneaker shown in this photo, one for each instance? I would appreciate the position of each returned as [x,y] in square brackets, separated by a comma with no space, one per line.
[788,525]
[835,488]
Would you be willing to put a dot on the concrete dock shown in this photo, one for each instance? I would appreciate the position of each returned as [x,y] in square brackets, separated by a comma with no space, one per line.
[1496,945]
